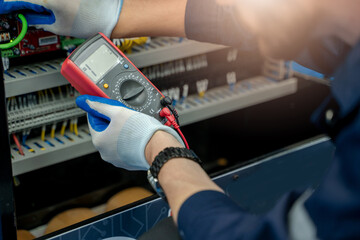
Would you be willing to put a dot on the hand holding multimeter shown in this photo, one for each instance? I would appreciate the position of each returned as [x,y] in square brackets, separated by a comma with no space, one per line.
[99,68]
[119,133]
[116,96]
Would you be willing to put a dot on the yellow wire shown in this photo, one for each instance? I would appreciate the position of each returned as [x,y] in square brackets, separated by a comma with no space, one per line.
[52,134]
[62,132]
[126,44]
[52,94]
[76,129]
[60,91]
[41,95]
[141,40]
[71,127]
[43,134]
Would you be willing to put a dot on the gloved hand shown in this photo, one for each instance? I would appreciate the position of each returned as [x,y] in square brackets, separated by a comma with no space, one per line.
[119,133]
[77,18]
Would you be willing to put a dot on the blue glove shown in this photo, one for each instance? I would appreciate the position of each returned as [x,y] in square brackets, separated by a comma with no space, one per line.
[34,13]
[77,18]
[119,133]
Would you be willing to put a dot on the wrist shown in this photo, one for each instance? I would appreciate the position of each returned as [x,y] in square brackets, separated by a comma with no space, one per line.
[158,142]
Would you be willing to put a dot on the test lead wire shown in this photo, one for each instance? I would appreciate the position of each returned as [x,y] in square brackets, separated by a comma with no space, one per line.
[16,140]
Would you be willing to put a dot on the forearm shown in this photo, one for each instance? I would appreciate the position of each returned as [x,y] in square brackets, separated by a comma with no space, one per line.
[151,18]
[201,20]
[180,178]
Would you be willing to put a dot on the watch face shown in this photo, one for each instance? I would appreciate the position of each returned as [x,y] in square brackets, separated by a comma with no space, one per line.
[155,185]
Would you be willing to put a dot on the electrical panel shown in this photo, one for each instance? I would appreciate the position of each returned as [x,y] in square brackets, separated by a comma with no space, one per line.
[204,80]
[35,41]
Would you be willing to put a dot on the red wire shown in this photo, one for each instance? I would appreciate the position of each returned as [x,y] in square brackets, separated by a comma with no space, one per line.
[182,136]
[18,144]
[177,127]
[165,112]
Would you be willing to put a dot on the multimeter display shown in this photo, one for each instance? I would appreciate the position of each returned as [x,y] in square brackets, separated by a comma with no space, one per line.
[98,67]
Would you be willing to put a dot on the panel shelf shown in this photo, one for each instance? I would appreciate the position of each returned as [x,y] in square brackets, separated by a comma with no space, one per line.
[34,77]
[216,102]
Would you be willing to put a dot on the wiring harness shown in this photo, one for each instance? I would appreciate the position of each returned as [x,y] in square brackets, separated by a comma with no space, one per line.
[21,35]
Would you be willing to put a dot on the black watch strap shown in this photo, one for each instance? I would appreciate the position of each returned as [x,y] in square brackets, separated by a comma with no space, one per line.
[169,153]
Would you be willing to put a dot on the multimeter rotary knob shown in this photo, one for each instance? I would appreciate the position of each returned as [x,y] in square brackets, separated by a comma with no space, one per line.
[133,93]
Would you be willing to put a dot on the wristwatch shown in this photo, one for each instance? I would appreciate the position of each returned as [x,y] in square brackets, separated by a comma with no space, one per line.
[164,156]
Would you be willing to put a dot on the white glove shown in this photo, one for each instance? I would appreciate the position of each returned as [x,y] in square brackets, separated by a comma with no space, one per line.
[119,133]
[77,18]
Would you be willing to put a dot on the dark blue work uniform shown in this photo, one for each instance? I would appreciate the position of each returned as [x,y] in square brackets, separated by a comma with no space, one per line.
[330,212]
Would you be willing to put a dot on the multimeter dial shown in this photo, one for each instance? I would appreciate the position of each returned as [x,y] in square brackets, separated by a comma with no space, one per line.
[133,90]
[133,93]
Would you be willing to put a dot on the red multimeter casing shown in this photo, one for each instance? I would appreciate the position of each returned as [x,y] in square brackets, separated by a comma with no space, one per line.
[97,67]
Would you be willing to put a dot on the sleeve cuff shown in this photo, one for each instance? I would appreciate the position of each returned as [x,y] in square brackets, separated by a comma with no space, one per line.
[209,215]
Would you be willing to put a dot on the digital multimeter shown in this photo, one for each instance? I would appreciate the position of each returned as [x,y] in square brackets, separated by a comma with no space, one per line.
[97,67]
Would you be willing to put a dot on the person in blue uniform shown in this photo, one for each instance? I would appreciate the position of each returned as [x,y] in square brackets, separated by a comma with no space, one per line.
[323,35]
